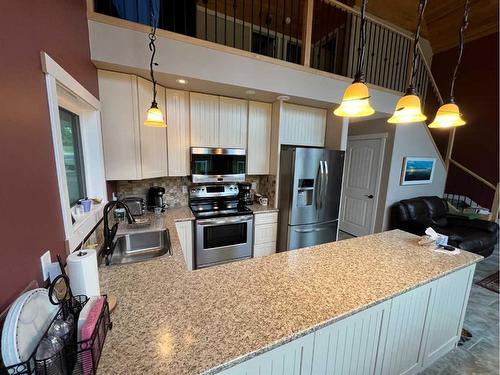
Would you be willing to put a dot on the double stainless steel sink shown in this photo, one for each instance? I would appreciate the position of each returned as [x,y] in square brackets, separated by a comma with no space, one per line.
[140,246]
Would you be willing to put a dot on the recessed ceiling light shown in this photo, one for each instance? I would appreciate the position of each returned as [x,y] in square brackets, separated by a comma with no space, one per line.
[250,92]
[283,98]
[182,81]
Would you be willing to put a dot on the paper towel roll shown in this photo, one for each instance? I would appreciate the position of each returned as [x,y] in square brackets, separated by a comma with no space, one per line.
[83,273]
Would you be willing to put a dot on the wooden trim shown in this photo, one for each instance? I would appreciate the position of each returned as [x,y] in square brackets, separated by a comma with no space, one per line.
[307,32]
[405,33]
[476,176]
[449,148]
[495,205]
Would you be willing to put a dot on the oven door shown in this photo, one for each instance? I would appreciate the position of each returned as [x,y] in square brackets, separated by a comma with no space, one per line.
[218,164]
[221,240]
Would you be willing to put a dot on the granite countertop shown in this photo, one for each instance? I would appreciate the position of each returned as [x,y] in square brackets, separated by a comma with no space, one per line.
[173,321]
[260,209]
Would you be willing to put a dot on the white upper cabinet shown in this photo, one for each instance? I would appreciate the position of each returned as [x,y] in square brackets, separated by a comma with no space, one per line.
[177,103]
[153,140]
[302,126]
[259,137]
[233,123]
[120,133]
[204,110]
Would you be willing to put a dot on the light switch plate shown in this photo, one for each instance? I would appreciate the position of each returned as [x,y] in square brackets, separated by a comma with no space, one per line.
[184,189]
[45,260]
[254,185]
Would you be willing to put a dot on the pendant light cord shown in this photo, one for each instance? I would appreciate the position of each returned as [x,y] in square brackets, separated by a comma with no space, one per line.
[421,9]
[465,23]
[152,48]
[360,75]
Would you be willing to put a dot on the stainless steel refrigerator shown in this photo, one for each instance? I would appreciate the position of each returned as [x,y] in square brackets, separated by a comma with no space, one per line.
[310,184]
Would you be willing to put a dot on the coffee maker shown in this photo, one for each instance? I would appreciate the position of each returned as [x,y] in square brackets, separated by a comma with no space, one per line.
[244,195]
[156,198]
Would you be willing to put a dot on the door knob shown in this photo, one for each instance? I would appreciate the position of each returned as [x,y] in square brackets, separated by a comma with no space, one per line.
[369,196]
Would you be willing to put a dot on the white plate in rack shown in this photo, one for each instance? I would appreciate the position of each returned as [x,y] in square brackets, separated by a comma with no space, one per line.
[26,322]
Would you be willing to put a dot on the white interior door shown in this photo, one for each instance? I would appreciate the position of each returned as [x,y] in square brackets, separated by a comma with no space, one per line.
[363,169]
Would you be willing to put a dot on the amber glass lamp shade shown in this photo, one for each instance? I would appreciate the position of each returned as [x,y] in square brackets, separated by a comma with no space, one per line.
[154,117]
[408,110]
[355,102]
[447,116]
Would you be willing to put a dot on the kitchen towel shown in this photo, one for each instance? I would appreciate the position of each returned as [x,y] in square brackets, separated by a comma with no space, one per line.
[83,273]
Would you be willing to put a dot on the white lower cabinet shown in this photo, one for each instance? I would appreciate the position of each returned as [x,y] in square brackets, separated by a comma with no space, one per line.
[446,313]
[185,233]
[265,234]
[402,348]
[400,336]
[350,346]
[294,358]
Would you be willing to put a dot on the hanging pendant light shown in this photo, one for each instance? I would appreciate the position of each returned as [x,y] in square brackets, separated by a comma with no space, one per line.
[356,99]
[409,109]
[448,115]
[154,116]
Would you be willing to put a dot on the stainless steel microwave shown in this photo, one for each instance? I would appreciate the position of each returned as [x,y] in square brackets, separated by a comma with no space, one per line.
[218,164]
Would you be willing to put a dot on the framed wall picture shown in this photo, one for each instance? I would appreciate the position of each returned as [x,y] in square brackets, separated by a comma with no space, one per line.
[417,171]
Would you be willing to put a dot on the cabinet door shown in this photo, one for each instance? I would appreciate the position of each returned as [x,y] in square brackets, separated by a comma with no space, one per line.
[259,137]
[302,126]
[265,233]
[403,348]
[293,358]
[120,133]
[350,346]
[153,140]
[178,132]
[264,249]
[185,233]
[233,123]
[446,313]
[204,111]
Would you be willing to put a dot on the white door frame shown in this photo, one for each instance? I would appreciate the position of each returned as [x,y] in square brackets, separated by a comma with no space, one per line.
[382,137]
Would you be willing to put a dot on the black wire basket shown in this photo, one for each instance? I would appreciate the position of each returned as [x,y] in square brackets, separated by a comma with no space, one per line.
[76,357]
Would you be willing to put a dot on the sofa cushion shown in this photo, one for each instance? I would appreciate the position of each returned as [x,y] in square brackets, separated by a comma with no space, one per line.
[468,238]
[417,210]
[438,209]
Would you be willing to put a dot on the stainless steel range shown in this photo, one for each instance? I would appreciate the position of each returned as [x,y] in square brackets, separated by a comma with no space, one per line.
[223,227]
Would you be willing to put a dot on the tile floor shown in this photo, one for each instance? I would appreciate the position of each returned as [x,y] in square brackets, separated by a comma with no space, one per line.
[479,355]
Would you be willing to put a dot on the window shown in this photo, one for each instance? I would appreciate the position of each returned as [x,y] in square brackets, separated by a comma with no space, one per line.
[73,155]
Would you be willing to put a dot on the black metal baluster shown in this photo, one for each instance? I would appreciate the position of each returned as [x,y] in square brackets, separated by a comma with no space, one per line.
[333,46]
[243,27]
[283,23]
[299,16]
[391,59]
[225,22]
[260,28]
[234,23]
[206,17]
[345,58]
[320,35]
[374,52]
[268,22]
[275,47]
[288,58]
[378,63]
[216,16]
[369,51]
[251,29]
[355,51]
[399,63]
[387,57]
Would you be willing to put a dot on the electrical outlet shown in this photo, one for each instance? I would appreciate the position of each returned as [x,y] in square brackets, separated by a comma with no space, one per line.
[184,189]
[45,260]
[254,185]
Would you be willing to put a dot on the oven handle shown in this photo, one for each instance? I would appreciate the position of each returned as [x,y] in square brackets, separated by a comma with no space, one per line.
[228,220]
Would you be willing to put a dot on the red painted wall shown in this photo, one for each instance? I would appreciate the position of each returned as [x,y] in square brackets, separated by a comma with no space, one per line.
[30,221]
[476,92]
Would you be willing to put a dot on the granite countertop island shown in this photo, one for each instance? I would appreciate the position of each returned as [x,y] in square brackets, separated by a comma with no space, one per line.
[173,321]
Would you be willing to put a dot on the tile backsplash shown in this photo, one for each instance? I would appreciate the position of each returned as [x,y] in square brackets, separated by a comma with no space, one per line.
[174,196]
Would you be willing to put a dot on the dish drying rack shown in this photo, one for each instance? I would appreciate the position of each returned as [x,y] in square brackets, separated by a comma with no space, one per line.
[76,357]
